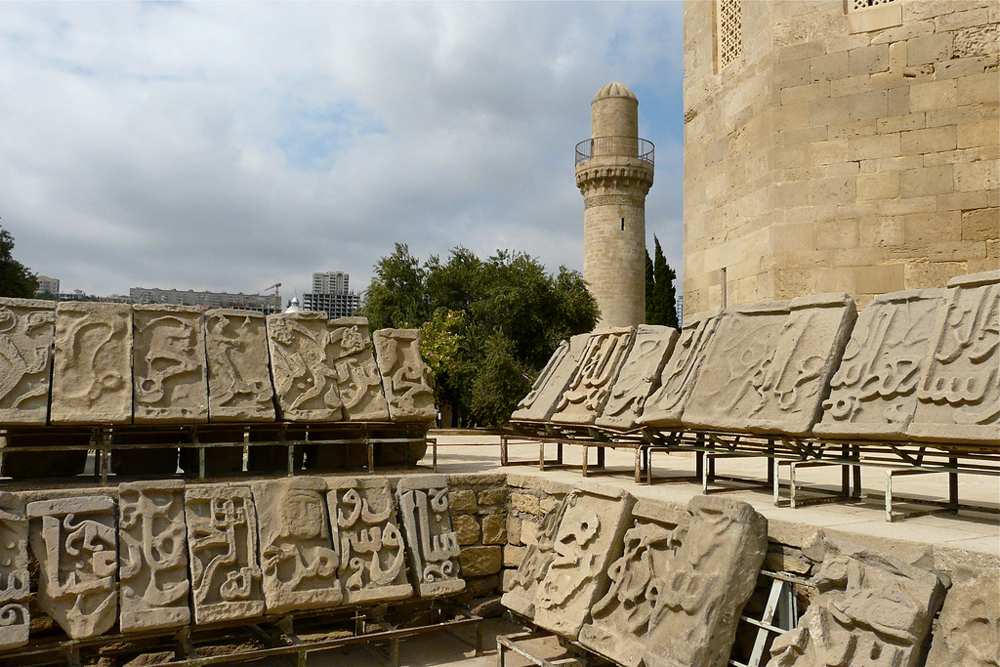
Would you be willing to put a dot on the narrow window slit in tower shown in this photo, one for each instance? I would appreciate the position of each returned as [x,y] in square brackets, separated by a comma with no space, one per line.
[623,224]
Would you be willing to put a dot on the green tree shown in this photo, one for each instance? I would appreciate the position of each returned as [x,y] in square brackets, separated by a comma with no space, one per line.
[661,296]
[396,297]
[16,280]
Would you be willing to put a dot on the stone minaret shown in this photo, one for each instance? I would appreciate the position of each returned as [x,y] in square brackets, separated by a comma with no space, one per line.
[614,171]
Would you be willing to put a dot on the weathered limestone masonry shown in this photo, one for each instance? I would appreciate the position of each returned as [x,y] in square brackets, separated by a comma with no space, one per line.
[479,515]
[838,145]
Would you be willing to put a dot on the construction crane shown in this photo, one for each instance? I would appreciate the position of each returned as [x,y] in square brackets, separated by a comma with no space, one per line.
[277,296]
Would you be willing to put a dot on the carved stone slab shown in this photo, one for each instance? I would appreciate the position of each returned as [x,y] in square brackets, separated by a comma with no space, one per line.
[433,545]
[665,405]
[769,364]
[14,579]
[676,593]
[239,382]
[305,384]
[874,610]
[369,544]
[169,374]
[152,555]
[222,547]
[92,364]
[588,540]
[550,384]
[639,376]
[590,387]
[296,553]
[358,379]
[73,540]
[958,398]
[26,330]
[968,631]
[405,377]
[873,393]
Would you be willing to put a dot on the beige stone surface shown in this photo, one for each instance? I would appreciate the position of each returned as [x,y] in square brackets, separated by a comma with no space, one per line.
[169,373]
[92,364]
[222,548]
[370,546]
[239,378]
[152,556]
[873,393]
[306,386]
[590,387]
[958,397]
[968,630]
[26,330]
[14,576]
[406,379]
[433,545]
[543,398]
[358,379]
[639,376]
[73,540]
[297,559]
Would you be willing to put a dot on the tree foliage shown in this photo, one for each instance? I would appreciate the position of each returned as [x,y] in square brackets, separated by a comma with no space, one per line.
[661,297]
[16,280]
[487,325]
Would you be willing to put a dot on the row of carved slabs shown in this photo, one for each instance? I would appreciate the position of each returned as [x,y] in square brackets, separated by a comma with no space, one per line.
[161,549]
[922,365]
[105,363]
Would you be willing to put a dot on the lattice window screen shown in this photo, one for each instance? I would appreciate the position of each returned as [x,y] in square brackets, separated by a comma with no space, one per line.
[865,4]
[730,40]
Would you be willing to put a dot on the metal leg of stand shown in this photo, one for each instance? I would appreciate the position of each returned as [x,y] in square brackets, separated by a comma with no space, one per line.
[638,465]
[953,485]
[791,484]
[541,455]
[291,460]
[776,480]
[559,453]
[888,496]
[371,455]
[503,450]
[586,459]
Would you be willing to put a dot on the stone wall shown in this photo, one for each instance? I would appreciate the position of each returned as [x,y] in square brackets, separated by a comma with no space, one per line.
[849,150]
[479,505]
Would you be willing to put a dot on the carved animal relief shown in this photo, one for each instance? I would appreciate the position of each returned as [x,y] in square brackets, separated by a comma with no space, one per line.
[665,405]
[405,376]
[423,504]
[541,401]
[639,376]
[590,387]
[358,379]
[14,579]
[26,330]
[239,383]
[305,385]
[169,373]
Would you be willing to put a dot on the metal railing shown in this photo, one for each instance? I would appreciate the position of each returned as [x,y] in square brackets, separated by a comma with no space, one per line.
[642,149]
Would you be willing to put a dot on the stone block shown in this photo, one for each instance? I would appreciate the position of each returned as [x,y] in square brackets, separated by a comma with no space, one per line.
[869,106]
[494,529]
[936,180]
[981,225]
[305,385]
[829,66]
[359,383]
[222,550]
[406,379]
[639,376]
[869,60]
[14,572]
[433,545]
[524,502]
[152,556]
[73,540]
[930,49]
[514,531]
[92,364]
[492,497]
[934,95]
[508,580]
[466,528]
[590,387]
[169,375]
[371,552]
[481,561]
[239,379]
[983,175]
[878,186]
[529,532]
[974,135]
[929,140]
[462,500]
[968,630]
[901,123]
[27,327]
[541,401]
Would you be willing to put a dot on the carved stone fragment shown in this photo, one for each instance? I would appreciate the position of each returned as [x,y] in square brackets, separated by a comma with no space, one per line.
[14,579]
[534,567]
[665,406]
[369,544]
[958,398]
[305,385]
[92,364]
[222,547]
[239,382]
[873,610]
[26,331]
[639,376]
[296,553]
[550,384]
[169,371]
[873,393]
[358,379]
[769,364]
[73,540]
[405,377]
[590,387]
[433,545]
[152,555]
[968,631]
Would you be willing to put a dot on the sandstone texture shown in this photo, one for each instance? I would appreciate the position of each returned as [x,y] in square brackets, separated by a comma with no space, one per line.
[306,386]
[169,373]
[590,387]
[359,382]
[406,379]
[14,577]
[433,545]
[543,398]
[239,379]
[639,376]
[968,632]
[26,331]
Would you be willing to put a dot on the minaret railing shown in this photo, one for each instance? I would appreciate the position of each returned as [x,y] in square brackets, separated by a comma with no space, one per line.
[642,149]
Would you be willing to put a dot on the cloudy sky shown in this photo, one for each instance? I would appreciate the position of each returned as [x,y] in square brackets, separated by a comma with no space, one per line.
[229,146]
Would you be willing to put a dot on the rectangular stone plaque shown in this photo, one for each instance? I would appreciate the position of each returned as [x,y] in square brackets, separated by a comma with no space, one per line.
[92,364]
[358,379]
[305,384]
[169,376]
[405,377]
[541,401]
[73,540]
[239,378]
[15,619]
[222,548]
[370,546]
[639,376]
[958,397]
[152,555]
[433,545]
[26,330]
[590,387]
[873,392]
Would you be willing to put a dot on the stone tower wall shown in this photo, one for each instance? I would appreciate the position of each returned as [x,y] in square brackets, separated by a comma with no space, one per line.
[843,148]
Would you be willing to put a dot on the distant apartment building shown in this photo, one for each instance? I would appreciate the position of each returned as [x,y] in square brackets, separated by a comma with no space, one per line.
[331,294]
[47,285]
[262,303]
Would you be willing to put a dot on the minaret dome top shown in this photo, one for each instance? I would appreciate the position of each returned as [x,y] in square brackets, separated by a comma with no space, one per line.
[614,89]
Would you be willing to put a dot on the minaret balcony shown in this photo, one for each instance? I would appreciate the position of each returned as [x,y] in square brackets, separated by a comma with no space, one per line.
[625,147]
